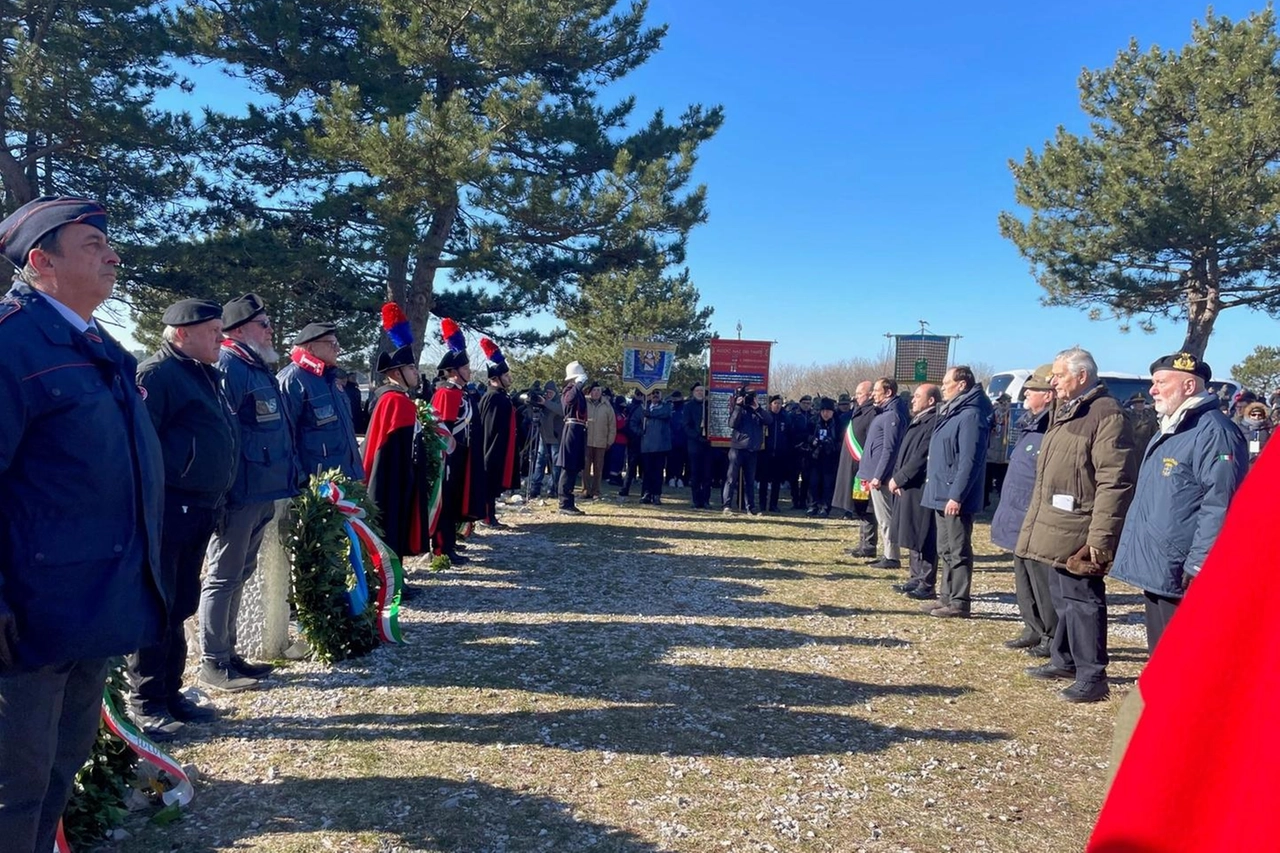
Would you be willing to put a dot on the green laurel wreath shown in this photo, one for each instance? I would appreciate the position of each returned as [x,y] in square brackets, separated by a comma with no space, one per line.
[98,795]
[318,546]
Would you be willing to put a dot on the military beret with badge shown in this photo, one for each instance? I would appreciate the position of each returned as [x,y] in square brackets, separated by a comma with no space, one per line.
[1183,362]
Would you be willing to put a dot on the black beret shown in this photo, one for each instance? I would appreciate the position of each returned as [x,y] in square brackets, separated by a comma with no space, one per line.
[314,331]
[241,310]
[773,397]
[188,312]
[844,398]
[593,385]
[827,405]
[453,359]
[676,395]
[402,357]
[806,399]
[24,228]
[1184,362]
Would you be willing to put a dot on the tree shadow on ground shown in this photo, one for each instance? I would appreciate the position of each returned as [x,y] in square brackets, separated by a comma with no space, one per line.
[420,813]
[666,689]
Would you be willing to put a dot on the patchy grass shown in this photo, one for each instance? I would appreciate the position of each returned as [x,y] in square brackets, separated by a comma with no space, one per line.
[657,678]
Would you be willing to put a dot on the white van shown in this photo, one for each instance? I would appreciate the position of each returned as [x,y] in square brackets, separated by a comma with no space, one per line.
[1121,385]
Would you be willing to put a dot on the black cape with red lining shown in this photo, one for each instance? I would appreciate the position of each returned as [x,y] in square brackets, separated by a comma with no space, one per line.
[394,458]
[498,428]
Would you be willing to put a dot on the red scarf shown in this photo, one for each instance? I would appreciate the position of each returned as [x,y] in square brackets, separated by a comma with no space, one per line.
[307,361]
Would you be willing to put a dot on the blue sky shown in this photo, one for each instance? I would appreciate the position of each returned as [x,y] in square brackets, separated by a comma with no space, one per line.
[855,185]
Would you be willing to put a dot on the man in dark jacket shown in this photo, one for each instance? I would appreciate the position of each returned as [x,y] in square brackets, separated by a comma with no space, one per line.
[1084,483]
[550,427]
[800,426]
[678,458]
[771,464]
[824,458]
[876,467]
[1188,475]
[319,413]
[81,499]
[1030,580]
[694,416]
[634,415]
[655,444]
[200,440]
[267,471]
[914,526]
[957,467]
[747,420]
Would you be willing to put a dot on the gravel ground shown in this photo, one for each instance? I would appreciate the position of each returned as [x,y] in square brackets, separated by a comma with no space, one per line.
[657,678]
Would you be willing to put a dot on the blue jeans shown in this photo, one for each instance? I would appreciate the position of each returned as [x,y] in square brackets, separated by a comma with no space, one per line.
[547,454]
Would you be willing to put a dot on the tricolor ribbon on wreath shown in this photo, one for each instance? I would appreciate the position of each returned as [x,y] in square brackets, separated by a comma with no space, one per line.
[854,448]
[182,791]
[439,438]
[385,563]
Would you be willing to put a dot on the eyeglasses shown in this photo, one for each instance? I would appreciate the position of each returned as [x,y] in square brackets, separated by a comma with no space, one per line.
[333,342]
[264,323]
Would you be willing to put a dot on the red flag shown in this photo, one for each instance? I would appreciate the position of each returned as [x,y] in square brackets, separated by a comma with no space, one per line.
[1202,772]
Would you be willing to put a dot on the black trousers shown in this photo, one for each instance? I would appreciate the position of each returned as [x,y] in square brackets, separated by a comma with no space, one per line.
[1080,638]
[48,722]
[678,462]
[740,462]
[771,470]
[1160,610]
[822,485]
[568,482]
[700,473]
[799,479]
[633,464]
[923,569]
[955,556]
[1035,601]
[868,530]
[653,465]
[155,673]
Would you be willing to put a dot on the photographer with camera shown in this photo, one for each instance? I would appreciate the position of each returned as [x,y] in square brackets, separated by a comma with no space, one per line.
[824,456]
[747,420]
[549,413]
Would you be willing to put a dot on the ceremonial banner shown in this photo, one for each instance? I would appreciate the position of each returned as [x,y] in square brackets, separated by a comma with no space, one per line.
[647,364]
[734,364]
[920,358]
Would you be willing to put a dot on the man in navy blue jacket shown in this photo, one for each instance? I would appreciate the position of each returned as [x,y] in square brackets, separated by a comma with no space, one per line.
[953,488]
[268,471]
[1187,478]
[81,500]
[876,469]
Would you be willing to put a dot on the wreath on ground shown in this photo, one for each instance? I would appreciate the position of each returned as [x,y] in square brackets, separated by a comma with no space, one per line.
[324,577]
[102,785]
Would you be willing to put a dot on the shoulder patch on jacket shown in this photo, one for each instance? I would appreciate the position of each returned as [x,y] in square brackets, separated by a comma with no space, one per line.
[8,308]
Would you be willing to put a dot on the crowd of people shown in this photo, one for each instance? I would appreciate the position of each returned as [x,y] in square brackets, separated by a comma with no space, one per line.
[137,495]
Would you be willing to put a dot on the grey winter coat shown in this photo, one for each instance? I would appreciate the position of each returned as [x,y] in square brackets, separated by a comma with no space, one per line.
[1185,483]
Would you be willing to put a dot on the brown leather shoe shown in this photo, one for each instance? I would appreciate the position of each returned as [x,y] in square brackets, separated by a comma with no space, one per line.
[949,612]
[930,606]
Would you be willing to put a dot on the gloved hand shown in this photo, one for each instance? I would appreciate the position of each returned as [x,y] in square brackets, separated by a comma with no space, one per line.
[8,638]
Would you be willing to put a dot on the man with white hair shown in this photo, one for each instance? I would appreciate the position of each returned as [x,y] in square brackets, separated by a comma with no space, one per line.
[267,471]
[200,443]
[1187,477]
[573,441]
[1084,483]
